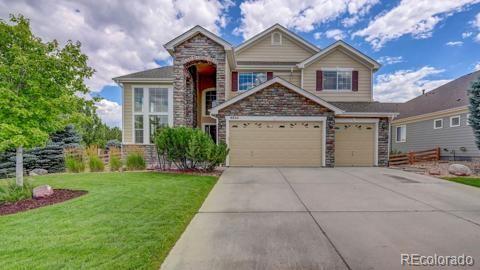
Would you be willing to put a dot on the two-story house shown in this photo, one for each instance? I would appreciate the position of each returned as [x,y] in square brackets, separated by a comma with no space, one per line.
[276,100]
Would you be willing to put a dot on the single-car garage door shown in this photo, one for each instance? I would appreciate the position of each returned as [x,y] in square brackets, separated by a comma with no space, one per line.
[275,143]
[354,144]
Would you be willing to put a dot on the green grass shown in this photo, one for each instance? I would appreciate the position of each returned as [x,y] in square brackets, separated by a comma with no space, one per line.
[126,221]
[471,181]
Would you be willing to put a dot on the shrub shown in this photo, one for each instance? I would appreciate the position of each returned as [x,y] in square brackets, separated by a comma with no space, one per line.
[135,161]
[95,164]
[113,144]
[74,164]
[13,193]
[189,148]
[115,163]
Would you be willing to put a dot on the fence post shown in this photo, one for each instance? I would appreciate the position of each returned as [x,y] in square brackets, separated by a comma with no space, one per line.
[411,157]
[438,153]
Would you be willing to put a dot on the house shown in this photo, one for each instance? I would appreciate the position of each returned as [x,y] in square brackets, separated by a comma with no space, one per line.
[276,100]
[438,118]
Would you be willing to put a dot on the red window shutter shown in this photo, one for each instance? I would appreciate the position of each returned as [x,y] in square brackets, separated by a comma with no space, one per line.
[269,76]
[319,80]
[234,81]
[355,80]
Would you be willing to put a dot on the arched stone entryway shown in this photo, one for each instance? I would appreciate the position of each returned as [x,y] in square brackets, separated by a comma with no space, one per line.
[188,56]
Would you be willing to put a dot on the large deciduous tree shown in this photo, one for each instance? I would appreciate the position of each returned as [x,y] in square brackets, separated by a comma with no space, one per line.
[474,119]
[41,84]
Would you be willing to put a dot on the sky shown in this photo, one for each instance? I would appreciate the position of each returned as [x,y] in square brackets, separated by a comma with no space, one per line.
[421,44]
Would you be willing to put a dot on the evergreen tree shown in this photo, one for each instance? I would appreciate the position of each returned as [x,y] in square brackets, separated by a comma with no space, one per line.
[474,107]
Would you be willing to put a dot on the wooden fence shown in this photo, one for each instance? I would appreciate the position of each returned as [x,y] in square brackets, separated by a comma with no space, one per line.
[103,154]
[412,157]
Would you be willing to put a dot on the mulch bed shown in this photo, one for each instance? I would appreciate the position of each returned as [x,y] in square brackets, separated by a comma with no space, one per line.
[59,195]
[192,172]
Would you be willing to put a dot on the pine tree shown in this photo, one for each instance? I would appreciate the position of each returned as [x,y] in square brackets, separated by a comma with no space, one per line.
[474,107]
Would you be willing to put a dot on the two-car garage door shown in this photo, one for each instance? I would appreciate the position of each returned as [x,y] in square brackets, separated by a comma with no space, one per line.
[275,143]
[299,143]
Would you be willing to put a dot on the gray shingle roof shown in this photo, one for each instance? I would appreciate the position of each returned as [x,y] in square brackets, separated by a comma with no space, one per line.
[367,106]
[155,73]
[448,96]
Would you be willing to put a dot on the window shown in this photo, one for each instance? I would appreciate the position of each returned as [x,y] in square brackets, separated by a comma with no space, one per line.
[158,100]
[437,123]
[209,100]
[455,121]
[152,110]
[248,80]
[337,80]
[139,129]
[157,122]
[138,99]
[468,120]
[212,130]
[276,38]
[401,134]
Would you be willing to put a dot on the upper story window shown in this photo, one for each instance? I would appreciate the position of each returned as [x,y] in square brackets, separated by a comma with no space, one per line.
[438,123]
[455,121]
[210,98]
[248,80]
[337,80]
[401,134]
[276,38]
[152,106]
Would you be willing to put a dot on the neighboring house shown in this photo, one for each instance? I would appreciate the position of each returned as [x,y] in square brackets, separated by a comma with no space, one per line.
[438,118]
[275,99]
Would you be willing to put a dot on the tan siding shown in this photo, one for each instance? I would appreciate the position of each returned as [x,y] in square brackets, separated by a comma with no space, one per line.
[127,113]
[340,59]
[228,81]
[292,77]
[263,50]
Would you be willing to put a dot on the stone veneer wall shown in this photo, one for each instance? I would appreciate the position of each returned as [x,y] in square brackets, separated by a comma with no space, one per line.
[277,100]
[148,151]
[383,137]
[196,49]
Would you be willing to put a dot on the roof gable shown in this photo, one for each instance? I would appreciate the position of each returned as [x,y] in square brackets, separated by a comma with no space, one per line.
[277,27]
[283,82]
[194,31]
[340,44]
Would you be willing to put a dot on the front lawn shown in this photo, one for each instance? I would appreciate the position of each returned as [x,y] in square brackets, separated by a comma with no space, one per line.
[471,181]
[126,221]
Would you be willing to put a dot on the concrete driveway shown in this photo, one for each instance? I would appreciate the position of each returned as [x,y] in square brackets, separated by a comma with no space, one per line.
[320,218]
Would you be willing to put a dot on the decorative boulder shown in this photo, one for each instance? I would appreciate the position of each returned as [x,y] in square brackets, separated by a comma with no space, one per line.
[434,171]
[36,172]
[459,170]
[42,191]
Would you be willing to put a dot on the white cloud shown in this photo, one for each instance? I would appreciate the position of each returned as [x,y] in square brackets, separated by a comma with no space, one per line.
[119,37]
[389,60]
[476,21]
[302,16]
[415,17]
[317,35]
[467,34]
[403,85]
[110,112]
[477,66]
[454,43]
[335,34]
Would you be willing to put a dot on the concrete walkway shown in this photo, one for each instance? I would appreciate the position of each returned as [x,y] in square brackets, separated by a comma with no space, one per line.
[320,218]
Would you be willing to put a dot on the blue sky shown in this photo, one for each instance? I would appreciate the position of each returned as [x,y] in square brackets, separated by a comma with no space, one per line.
[421,43]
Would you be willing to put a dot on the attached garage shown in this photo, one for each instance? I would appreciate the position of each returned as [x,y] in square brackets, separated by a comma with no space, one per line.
[355,144]
[276,143]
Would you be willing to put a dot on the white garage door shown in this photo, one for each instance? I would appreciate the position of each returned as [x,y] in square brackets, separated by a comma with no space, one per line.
[275,143]
[354,144]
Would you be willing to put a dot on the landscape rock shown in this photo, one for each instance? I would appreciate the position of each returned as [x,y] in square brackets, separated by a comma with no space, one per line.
[42,191]
[459,170]
[37,171]
[434,171]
